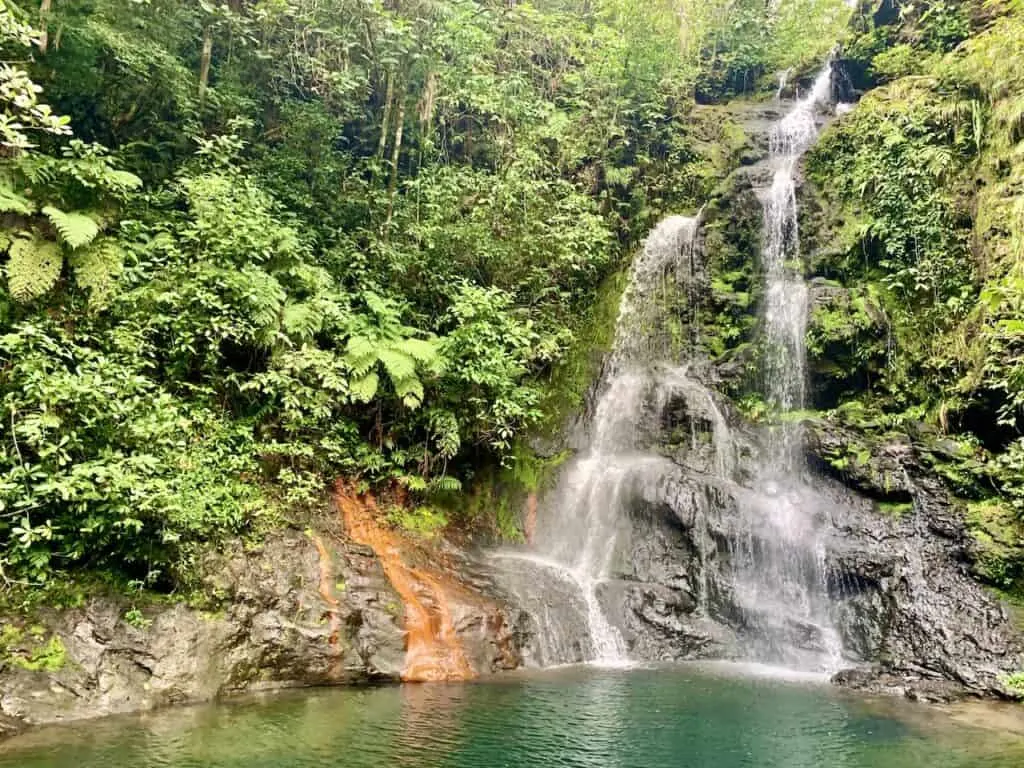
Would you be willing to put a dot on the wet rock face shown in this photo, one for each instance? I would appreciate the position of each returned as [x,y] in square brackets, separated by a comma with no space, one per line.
[457,625]
[906,600]
[294,612]
[893,552]
[910,617]
[298,611]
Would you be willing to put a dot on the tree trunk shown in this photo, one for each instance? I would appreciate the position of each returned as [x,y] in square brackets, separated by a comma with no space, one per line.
[395,151]
[44,20]
[386,120]
[204,61]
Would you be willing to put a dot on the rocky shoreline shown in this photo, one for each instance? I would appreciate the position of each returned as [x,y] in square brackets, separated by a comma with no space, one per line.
[315,608]
[302,609]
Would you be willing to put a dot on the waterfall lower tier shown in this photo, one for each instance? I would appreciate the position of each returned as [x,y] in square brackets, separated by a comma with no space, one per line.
[581,633]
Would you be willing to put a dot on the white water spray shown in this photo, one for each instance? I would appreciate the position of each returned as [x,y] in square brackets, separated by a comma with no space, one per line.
[578,541]
[785,374]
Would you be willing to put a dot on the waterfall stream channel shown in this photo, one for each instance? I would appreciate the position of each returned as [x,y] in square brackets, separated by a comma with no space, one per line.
[758,566]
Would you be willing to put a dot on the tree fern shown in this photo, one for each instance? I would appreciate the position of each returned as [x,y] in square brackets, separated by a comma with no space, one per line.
[397,362]
[302,320]
[121,181]
[425,352]
[264,298]
[364,388]
[33,267]
[361,355]
[76,229]
[97,268]
[410,390]
[12,202]
[389,344]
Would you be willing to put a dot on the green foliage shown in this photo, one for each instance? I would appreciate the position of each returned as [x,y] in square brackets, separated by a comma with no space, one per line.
[26,648]
[925,334]
[896,508]
[383,343]
[999,538]
[742,40]
[136,618]
[1015,682]
[75,229]
[33,266]
[490,351]
[423,521]
[297,240]
[22,112]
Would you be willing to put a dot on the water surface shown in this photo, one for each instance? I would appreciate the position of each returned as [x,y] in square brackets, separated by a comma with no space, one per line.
[676,717]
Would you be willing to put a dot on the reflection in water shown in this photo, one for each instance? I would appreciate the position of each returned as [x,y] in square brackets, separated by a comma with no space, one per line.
[671,717]
[435,711]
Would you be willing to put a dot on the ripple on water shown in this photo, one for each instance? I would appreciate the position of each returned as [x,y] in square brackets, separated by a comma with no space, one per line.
[694,716]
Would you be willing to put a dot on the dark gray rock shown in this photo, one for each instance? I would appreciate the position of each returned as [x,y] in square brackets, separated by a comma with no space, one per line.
[900,593]
[272,628]
[296,611]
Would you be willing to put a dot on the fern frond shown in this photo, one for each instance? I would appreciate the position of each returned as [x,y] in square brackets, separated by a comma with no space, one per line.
[361,355]
[421,350]
[302,320]
[413,482]
[399,365]
[410,390]
[122,180]
[12,202]
[33,267]
[97,268]
[377,305]
[75,229]
[364,388]
[446,483]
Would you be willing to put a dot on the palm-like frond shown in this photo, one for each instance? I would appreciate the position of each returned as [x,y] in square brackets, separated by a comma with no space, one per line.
[76,229]
[33,268]
[97,268]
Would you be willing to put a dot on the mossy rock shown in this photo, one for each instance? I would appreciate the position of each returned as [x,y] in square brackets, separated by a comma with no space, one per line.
[998,535]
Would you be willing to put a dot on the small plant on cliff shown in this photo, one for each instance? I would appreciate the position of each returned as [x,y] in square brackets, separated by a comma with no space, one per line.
[1014,682]
[424,521]
[134,617]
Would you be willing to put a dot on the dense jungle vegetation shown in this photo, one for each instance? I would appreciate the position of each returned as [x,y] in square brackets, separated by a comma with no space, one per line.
[920,225]
[251,246]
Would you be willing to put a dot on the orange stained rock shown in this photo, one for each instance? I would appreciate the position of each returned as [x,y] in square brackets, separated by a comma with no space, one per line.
[433,651]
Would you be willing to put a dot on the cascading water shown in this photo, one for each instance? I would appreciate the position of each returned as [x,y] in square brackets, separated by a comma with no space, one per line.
[785,317]
[800,553]
[755,562]
[777,558]
[578,541]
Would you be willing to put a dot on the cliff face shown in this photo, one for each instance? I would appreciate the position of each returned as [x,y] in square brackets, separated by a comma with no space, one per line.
[875,574]
[299,610]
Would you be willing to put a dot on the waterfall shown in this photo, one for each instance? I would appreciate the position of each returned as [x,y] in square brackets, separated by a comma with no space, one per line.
[786,581]
[785,316]
[578,543]
[657,439]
